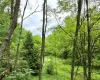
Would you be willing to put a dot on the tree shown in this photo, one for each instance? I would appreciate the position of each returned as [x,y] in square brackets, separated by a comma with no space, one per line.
[89,43]
[11,29]
[17,52]
[30,55]
[43,38]
[76,37]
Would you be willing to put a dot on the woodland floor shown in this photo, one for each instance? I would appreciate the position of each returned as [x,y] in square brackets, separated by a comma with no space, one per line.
[62,70]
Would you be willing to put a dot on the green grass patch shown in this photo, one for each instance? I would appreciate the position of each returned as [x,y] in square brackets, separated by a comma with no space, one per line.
[62,70]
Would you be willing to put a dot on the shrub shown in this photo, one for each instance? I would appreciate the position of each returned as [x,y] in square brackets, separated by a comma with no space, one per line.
[31,55]
[65,54]
[50,69]
[24,75]
[67,61]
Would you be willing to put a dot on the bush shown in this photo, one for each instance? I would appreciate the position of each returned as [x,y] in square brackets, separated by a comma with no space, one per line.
[67,61]
[96,63]
[65,54]
[50,69]
[22,75]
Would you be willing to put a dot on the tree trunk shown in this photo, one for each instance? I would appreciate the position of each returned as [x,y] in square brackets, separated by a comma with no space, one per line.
[76,37]
[8,56]
[84,59]
[89,41]
[17,52]
[12,8]
[11,29]
[43,40]
[82,38]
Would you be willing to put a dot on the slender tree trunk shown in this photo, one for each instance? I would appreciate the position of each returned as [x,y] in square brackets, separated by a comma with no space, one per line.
[43,40]
[82,38]
[17,52]
[11,29]
[84,59]
[12,8]
[8,46]
[89,41]
[76,37]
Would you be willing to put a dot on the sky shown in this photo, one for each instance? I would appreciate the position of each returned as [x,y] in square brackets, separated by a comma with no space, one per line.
[34,22]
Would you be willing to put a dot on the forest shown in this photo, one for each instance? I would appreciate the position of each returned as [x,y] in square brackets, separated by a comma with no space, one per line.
[70,52]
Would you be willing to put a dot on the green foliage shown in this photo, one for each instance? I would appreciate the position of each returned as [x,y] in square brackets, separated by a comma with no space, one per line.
[50,69]
[96,61]
[58,44]
[67,5]
[37,43]
[21,75]
[4,25]
[67,61]
[28,44]
[31,56]
[3,5]
[63,70]
[60,41]
[65,54]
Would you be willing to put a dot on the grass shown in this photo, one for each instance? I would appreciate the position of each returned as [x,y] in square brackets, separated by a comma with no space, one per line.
[62,70]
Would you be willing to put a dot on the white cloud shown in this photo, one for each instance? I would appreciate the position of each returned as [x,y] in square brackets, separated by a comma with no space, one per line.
[34,21]
[52,3]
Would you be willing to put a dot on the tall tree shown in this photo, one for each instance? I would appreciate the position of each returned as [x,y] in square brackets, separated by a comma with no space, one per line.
[43,39]
[89,42]
[11,29]
[20,34]
[76,37]
[31,56]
